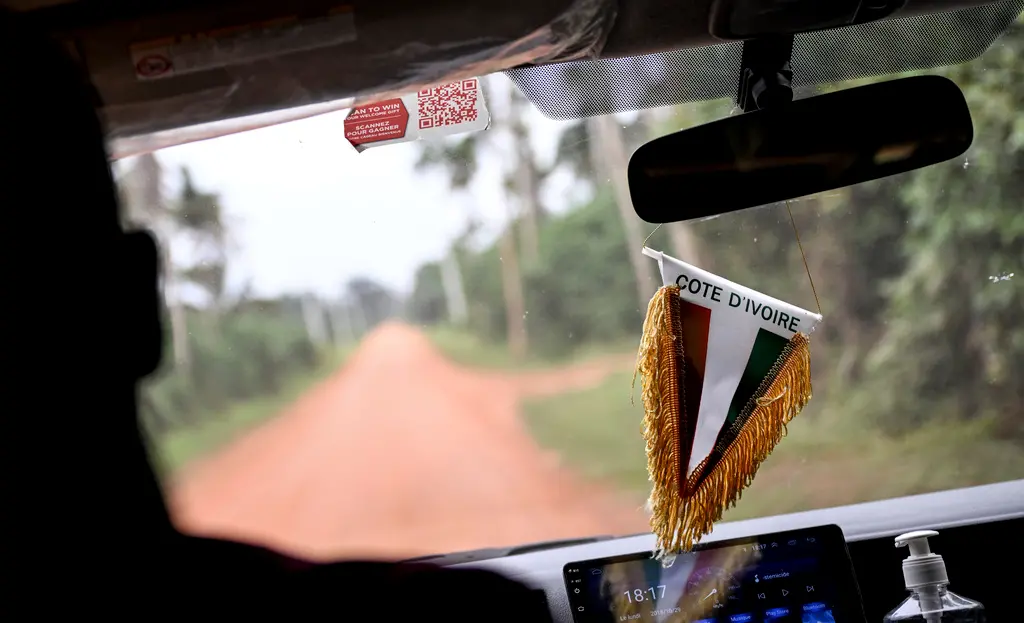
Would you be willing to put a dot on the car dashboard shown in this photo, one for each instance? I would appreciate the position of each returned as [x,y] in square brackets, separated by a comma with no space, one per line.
[971,522]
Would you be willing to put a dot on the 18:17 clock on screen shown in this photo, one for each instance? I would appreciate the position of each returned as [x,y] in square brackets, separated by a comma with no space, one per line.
[641,594]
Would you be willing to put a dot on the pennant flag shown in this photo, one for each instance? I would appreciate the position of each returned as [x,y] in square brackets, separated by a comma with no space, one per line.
[723,369]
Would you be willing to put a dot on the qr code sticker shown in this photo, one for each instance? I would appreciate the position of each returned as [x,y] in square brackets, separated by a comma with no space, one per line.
[448,104]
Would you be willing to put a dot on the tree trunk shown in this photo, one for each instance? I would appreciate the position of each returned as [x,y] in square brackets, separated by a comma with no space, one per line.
[358,317]
[313,317]
[609,154]
[341,326]
[526,179]
[179,324]
[182,350]
[684,244]
[512,287]
[454,292]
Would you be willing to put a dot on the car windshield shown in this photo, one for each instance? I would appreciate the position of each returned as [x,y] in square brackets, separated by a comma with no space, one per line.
[428,347]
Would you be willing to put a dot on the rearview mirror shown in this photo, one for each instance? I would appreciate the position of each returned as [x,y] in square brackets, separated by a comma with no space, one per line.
[801,148]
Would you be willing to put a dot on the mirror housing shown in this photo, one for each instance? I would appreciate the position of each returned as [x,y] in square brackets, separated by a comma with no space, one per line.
[800,148]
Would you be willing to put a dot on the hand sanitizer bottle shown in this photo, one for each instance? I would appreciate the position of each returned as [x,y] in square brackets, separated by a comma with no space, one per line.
[925,576]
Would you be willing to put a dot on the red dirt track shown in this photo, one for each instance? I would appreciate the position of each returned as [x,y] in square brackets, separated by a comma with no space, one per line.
[398,454]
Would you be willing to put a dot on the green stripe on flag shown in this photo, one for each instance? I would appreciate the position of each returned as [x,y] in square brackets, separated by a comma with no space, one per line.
[766,351]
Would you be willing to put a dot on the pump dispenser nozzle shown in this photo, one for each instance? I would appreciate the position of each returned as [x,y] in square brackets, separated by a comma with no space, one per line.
[916,541]
[922,567]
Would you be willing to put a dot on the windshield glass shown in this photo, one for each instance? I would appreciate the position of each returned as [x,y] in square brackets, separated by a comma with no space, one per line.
[428,347]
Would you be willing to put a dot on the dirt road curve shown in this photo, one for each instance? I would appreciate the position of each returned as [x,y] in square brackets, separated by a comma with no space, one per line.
[401,454]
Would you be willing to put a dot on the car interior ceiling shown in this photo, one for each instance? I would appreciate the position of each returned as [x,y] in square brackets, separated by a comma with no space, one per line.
[88,521]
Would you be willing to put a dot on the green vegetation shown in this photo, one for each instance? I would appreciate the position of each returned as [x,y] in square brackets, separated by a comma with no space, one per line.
[182,444]
[827,458]
[248,351]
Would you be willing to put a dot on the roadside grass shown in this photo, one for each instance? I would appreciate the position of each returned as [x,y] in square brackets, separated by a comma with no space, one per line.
[174,449]
[829,457]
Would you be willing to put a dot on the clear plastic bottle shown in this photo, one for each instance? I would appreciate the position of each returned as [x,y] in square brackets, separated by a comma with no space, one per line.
[930,600]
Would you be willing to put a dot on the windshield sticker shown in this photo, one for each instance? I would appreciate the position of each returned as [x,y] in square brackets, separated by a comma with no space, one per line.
[441,110]
[223,47]
[387,120]
[723,369]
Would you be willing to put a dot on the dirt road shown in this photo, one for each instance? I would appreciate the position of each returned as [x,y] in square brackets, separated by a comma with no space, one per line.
[401,454]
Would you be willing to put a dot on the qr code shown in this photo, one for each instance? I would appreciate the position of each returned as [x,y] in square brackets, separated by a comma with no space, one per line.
[448,104]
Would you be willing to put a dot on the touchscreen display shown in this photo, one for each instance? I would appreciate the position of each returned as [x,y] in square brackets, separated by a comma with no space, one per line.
[803,576]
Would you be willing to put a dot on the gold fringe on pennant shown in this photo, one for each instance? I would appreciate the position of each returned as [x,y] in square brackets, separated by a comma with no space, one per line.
[659,365]
[685,511]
